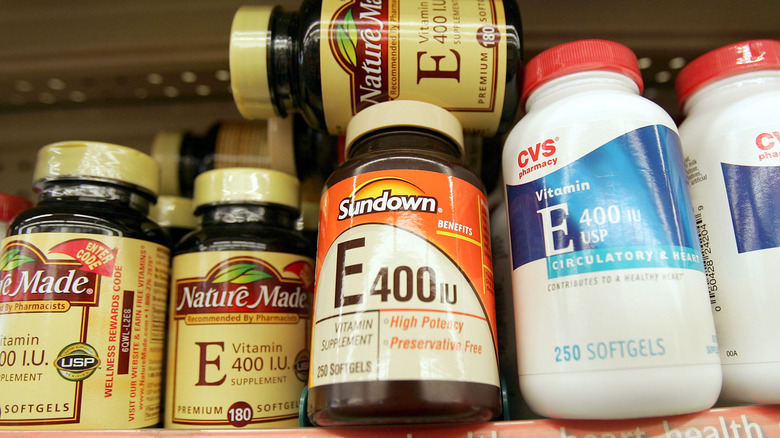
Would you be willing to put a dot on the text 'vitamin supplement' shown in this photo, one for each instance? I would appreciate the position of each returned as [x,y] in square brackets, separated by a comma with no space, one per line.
[404,317]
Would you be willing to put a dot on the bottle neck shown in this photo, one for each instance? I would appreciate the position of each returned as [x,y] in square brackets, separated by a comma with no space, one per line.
[731,89]
[582,82]
[392,139]
[108,194]
[268,214]
[282,57]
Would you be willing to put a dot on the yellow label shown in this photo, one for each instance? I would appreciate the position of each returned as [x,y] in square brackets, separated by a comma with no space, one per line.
[451,53]
[82,320]
[238,339]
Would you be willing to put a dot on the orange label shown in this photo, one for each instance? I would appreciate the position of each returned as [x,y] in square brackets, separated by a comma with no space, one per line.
[404,273]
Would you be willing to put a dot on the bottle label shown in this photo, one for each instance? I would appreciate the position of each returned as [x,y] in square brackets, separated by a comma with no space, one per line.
[737,212]
[238,339]
[82,320]
[404,285]
[605,244]
[451,53]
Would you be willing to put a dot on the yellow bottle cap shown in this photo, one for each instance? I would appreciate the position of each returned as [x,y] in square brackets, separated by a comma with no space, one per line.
[173,212]
[404,113]
[95,160]
[166,150]
[250,37]
[246,185]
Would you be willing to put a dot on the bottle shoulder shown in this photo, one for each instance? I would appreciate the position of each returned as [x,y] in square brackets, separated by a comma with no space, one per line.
[244,237]
[87,218]
[394,159]
[726,114]
[587,116]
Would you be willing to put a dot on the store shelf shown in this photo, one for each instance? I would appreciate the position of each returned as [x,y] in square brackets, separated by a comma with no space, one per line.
[742,422]
[122,71]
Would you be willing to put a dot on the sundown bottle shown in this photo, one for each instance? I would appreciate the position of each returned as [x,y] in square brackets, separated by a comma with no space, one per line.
[238,348]
[404,317]
[83,284]
[335,58]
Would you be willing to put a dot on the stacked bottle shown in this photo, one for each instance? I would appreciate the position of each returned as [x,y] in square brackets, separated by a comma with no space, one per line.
[334,58]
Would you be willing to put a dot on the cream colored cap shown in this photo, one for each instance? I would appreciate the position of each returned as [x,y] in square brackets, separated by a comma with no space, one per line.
[166,150]
[404,113]
[245,184]
[250,37]
[88,159]
[173,212]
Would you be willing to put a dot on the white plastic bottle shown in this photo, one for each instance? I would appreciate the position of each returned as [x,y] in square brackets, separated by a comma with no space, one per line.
[611,308]
[731,142]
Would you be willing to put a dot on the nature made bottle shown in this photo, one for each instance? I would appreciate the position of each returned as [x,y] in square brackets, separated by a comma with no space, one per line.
[240,312]
[83,294]
[334,58]
[731,141]
[609,285]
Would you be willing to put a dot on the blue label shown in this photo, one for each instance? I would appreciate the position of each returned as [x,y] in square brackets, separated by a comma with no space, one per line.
[754,201]
[624,205]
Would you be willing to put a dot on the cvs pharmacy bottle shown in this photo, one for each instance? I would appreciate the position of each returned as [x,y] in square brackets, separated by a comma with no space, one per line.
[241,286]
[335,58]
[609,285]
[404,317]
[83,294]
[731,141]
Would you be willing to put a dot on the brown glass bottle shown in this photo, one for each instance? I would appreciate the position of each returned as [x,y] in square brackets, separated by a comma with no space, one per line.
[259,275]
[310,61]
[413,152]
[92,255]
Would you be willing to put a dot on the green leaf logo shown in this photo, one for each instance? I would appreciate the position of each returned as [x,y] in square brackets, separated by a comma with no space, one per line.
[242,273]
[347,37]
[13,259]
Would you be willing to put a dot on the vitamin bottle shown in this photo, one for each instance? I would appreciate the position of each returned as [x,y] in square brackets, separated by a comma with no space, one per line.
[731,99]
[183,155]
[610,294]
[83,294]
[288,145]
[404,316]
[175,215]
[10,206]
[334,58]
[240,305]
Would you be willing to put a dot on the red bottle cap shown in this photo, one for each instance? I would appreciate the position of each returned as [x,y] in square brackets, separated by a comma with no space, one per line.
[11,205]
[579,56]
[728,60]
